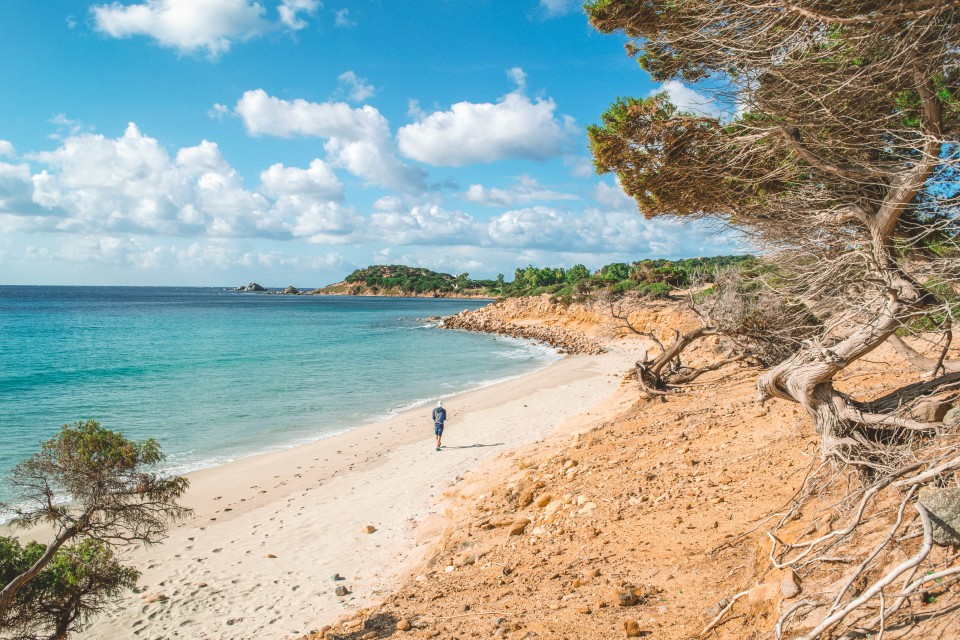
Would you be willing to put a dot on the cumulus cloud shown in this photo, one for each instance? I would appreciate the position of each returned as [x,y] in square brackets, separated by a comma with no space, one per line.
[423,224]
[357,140]
[513,127]
[289,11]
[591,230]
[686,99]
[354,88]
[526,190]
[93,184]
[6,148]
[318,181]
[613,197]
[191,26]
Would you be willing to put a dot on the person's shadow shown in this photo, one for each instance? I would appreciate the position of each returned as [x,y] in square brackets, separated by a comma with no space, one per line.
[474,446]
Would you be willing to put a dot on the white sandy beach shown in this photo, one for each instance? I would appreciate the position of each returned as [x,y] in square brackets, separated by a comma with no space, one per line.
[257,558]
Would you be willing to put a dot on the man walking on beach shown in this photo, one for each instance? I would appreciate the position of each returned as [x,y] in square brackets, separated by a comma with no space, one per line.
[439,417]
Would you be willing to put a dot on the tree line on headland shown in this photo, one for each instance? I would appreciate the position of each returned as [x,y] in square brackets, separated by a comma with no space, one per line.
[649,277]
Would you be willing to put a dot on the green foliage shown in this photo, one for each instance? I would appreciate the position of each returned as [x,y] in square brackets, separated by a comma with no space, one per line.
[946,309]
[77,583]
[94,488]
[393,278]
[108,479]
[651,278]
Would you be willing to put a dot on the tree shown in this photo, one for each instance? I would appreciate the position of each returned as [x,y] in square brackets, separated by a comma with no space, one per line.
[79,581]
[96,489]
[829,134]
[576,273]
[841,116]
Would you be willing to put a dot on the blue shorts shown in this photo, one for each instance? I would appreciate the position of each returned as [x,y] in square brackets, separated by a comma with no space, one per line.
[438,428]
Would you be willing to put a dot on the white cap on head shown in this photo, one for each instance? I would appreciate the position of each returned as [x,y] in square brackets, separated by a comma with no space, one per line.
[439,403]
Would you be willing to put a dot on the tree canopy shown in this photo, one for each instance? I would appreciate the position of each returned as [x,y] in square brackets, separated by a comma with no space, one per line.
[96,489]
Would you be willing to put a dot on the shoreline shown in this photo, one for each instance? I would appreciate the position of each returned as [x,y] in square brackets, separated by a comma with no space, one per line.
[269,530]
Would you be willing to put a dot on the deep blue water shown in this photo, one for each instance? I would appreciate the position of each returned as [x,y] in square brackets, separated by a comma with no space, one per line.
[215,375]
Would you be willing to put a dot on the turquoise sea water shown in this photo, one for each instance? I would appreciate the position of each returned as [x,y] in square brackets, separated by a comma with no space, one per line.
[215,375]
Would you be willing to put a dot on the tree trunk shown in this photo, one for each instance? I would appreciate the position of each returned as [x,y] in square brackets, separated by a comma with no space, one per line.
[807,376]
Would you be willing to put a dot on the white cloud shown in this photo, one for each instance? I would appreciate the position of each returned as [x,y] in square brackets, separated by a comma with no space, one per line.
[318,182]
[191,26]
[218,111]
[423,224]
[131,185]
[358,140]
[525,191]
[289,10]
[613,197]
[686,99]
[513,127]
[6,148]
[342,18]
[354,88]
[558,7]
[590,230]
[518,76]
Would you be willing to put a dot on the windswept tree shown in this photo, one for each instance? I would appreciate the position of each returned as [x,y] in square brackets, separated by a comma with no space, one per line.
[830,135]
[828,132]
[95,490]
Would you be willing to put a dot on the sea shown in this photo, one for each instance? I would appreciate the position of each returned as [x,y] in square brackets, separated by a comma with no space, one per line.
[215,375]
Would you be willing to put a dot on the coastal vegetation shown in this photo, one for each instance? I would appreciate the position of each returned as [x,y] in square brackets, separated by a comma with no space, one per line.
[647,277]
[827,132]
[96,490]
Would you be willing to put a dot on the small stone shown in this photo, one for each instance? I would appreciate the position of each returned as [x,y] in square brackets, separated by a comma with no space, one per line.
[518,527]
[369,529]
[631,628]
[403,625]
[201,584]
[269,555]
[335,577]
[341,591]
[150,598]
[624,597]
[790,585]
[585,610]
[542,501]
[369,636]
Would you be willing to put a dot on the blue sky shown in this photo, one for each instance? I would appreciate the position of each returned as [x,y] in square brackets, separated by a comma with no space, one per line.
[215,142]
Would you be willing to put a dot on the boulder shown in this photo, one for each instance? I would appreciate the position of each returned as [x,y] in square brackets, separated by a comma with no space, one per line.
[931,410]
[952,417]
[944,508]
[290,291]
[790,585]
[252,286]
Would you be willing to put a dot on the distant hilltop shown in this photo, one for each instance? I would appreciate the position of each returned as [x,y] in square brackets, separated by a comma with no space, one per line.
[400,280]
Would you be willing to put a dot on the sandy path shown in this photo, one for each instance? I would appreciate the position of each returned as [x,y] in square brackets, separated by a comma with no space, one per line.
[256,559]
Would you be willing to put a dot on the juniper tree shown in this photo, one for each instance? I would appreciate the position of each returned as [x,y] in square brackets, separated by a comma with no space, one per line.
[830,137]
[96,490]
